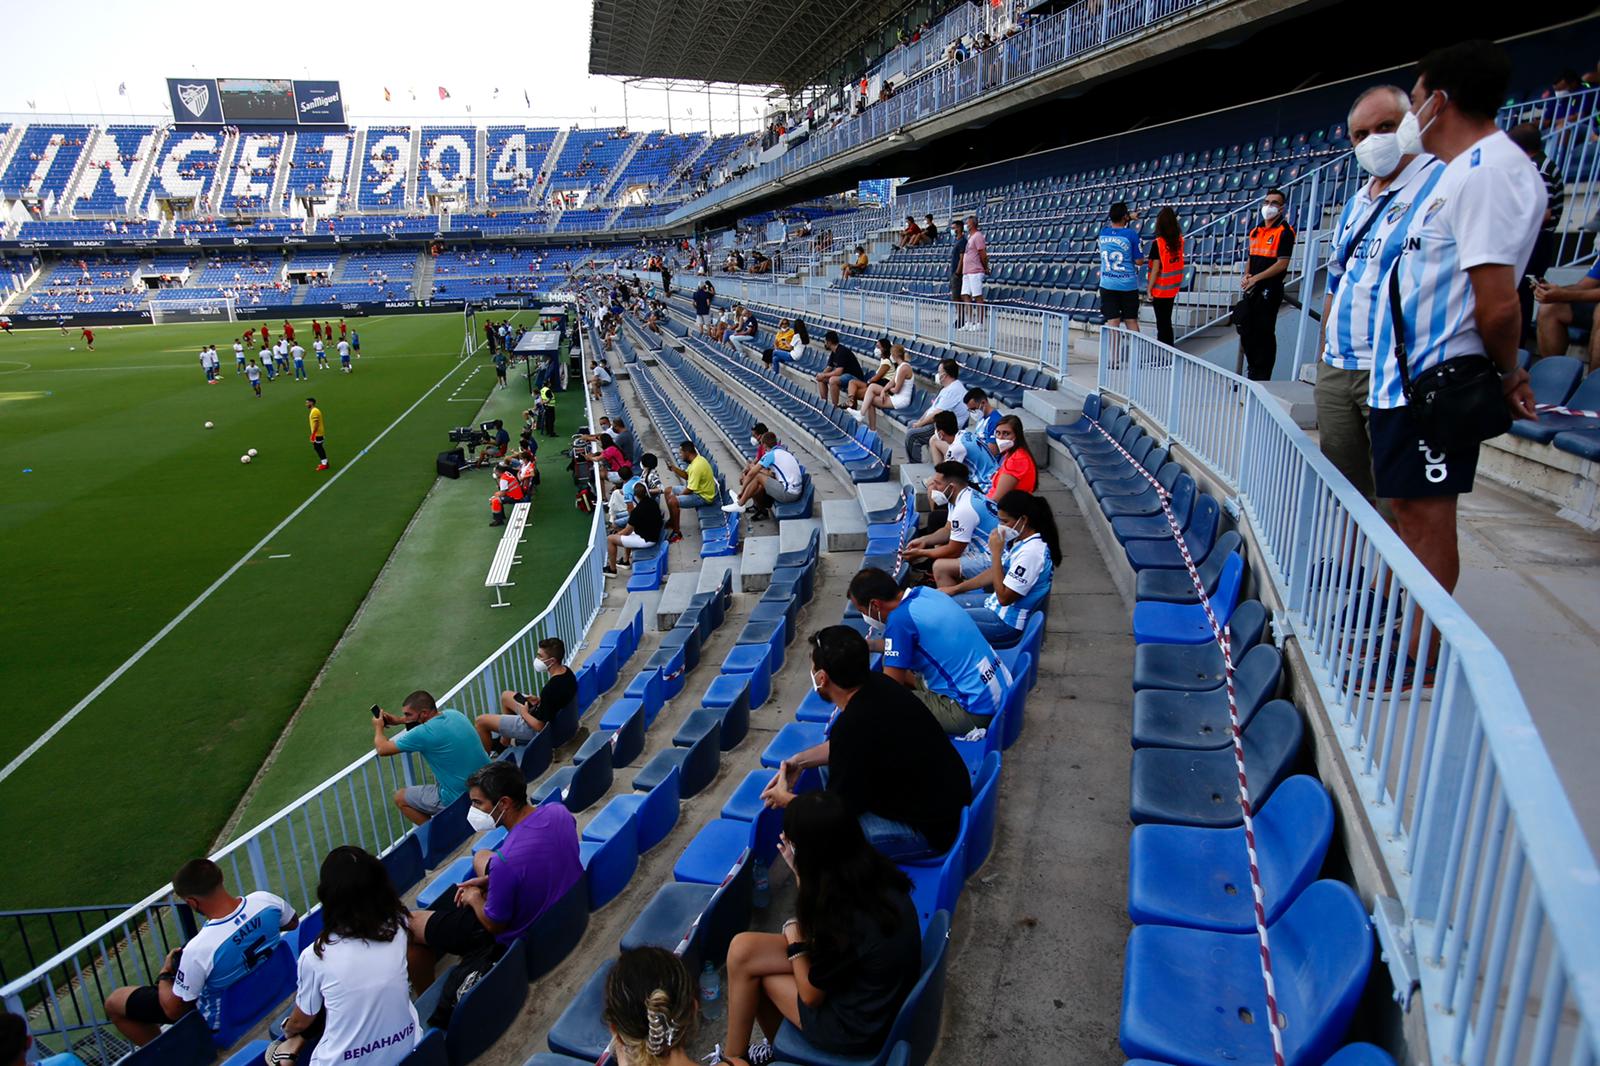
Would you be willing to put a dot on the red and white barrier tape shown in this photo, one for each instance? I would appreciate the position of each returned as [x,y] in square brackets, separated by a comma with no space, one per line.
[1558,409]
[1223,638]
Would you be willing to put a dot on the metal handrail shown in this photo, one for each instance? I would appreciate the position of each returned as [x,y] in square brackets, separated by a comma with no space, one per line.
[1496,913]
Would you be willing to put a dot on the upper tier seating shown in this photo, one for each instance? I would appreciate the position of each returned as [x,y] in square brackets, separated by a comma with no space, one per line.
[320,165]
[186,169]
[659,157]
[587,159]
[43,161]
[517,156]
[448,162]
[385,162]
[112,171]
[252,172]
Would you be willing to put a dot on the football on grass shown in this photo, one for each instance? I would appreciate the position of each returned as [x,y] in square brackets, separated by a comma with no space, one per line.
[244,458]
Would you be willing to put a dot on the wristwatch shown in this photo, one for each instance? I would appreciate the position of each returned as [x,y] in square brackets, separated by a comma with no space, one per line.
[799,947]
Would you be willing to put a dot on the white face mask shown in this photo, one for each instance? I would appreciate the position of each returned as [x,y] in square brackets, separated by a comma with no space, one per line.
[755,442]
[874,626]
[938,497]
[1269,212]
[1005,444]
[481,821]
[815,685]
[1411,130]
[1009,533]
[1379,154]
[540,666]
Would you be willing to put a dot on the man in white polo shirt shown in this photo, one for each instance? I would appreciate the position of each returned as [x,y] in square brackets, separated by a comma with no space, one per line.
[1454,290]
[951,397]
[1366,242]
[781,479]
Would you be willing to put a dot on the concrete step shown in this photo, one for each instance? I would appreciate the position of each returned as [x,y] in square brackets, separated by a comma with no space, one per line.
[675,596]
[1298,399]
[637,601]
[795,533]
[915,476]
[879,500]
[1057,406]
[757,563]
[844,527]
[712,572]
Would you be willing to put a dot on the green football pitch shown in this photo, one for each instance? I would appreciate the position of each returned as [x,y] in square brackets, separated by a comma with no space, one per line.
[235,600]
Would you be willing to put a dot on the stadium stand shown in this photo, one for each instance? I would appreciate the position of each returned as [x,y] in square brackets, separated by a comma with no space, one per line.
[660,155]
[185,170]
[517,158]
[43,160]
[587,160]
[253,170]
[115,166]
[384,168]
[448,161]
[319,166]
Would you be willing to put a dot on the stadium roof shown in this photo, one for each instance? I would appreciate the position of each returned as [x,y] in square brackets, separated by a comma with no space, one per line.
[749,42]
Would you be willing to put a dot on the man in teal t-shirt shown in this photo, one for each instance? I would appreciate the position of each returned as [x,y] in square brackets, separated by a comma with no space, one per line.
[445,739]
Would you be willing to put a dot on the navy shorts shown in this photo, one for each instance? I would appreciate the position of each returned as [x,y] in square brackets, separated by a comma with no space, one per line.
[1405,467]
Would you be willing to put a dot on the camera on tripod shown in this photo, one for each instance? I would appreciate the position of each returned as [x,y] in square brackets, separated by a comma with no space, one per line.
[473,436]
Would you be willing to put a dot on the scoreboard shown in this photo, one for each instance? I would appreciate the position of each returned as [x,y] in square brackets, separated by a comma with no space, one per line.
[255,102]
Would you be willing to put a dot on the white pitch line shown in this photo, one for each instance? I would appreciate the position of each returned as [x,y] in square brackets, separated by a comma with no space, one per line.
[78,708]
[279,556]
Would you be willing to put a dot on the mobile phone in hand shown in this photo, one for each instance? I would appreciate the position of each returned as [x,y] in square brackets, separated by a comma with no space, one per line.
[1531,279]
[377,712]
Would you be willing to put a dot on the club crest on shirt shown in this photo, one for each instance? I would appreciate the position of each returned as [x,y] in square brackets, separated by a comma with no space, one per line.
[1432,209]
[1395,212]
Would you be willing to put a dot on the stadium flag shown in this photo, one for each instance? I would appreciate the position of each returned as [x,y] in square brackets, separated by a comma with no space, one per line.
[497,94]
[386,97]
[469,109]
[122,88]
[33,105]
[444,94]
[525,99]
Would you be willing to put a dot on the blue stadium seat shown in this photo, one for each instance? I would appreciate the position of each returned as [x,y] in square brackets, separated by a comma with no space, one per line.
[1322,951]
[556,932]
[793,738]
[1179,718]
[1360,1055]
[707,916]
[533,758]
[1164,554]
[1586,398]
[770,632]
[1553,378]
[1186,623]
[627,741]
[1200,788]
[1175,586]
[579,1031]
[608,864]
[576,787]
[250,999]
[936,882]
[186,1042]
[655,812]
[746,805]
[697,763]
[404,863]
[488,1008]
[729,693]
[712,853]
[917,1022]
[755,660]
[1200,878]
[444,832]
[984,813]
[1197,667]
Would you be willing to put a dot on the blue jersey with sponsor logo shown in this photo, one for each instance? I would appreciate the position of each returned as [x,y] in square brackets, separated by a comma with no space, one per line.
[1119,254]
[930,634]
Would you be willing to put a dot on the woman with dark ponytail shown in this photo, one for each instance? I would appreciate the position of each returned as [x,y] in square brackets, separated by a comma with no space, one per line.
[651,1009]
[1025,548]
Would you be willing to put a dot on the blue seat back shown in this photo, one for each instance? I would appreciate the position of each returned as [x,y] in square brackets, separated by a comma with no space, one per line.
[534,756]
[1226,597]
[701,763]
[186,1042]
[590,780]
[611,863]
[628,741]
[658,812]
[564,726]
[918,1020]
[248,1000]
[404,863]
[429,1052]
[488,1008]
[588,678]
[1015,703]
[444,832]
[1554,377]
[984,812]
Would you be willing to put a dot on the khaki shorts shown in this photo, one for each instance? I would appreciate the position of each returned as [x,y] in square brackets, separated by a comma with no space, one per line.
[951,716]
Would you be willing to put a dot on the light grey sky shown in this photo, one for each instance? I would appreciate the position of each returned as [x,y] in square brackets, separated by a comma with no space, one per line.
[71,60]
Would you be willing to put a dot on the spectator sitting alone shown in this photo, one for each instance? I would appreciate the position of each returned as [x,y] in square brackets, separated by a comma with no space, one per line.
[652,1008]
[782,479]
[843,966]
[700,483]
[886,756]
[446,741]
[511,885]
[598,378]
[196,974]
[856,267]
[843,368]
[932,647]
[526,716]
[1025,549]
[951,397]
[352,982]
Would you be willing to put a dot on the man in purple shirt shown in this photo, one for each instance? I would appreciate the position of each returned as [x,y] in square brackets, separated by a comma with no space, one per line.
[512,883]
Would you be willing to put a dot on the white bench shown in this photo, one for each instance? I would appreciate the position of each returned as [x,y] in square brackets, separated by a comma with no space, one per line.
[506,554]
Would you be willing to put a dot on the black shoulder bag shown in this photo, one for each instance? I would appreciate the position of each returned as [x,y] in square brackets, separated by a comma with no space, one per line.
[1457,404]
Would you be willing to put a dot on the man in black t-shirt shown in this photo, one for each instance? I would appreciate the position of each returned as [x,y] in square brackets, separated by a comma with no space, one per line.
[886,754]
[1271,244]
[843,368]
[525,716]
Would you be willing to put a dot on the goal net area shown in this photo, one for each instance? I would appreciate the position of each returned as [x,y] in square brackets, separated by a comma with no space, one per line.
[192,308]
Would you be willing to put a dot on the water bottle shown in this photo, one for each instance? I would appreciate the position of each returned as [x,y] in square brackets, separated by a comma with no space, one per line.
[710,984]
[761,893]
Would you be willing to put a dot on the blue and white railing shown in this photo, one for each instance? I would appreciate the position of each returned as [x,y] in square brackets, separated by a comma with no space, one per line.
[63,996]
[1486,896]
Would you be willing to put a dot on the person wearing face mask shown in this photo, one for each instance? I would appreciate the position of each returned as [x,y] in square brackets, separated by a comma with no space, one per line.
[1025,548]
[446,741]
[1271,244]
[886,755]
[933,648]
[950,397]
[1018,468]
[782,342]
[961,549]
[511,884]
[1451,298]
[526,716]
[1366,241]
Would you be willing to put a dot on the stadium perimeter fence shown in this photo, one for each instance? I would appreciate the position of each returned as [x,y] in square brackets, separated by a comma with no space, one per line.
[1486,896]
[63,994]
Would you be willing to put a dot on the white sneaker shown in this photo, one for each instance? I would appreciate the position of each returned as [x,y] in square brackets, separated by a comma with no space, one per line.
[733,508]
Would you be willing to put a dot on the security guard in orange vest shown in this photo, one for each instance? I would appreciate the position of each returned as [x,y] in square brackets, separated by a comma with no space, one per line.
[508,488]
[1271,244]
[1166,271]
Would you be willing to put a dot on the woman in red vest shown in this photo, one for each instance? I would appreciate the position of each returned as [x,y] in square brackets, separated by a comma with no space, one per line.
[1166,271]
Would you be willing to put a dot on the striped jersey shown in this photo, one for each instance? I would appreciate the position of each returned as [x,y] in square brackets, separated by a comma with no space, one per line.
[226,949]
[1486,208]
[1356,269]
[1029,572]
